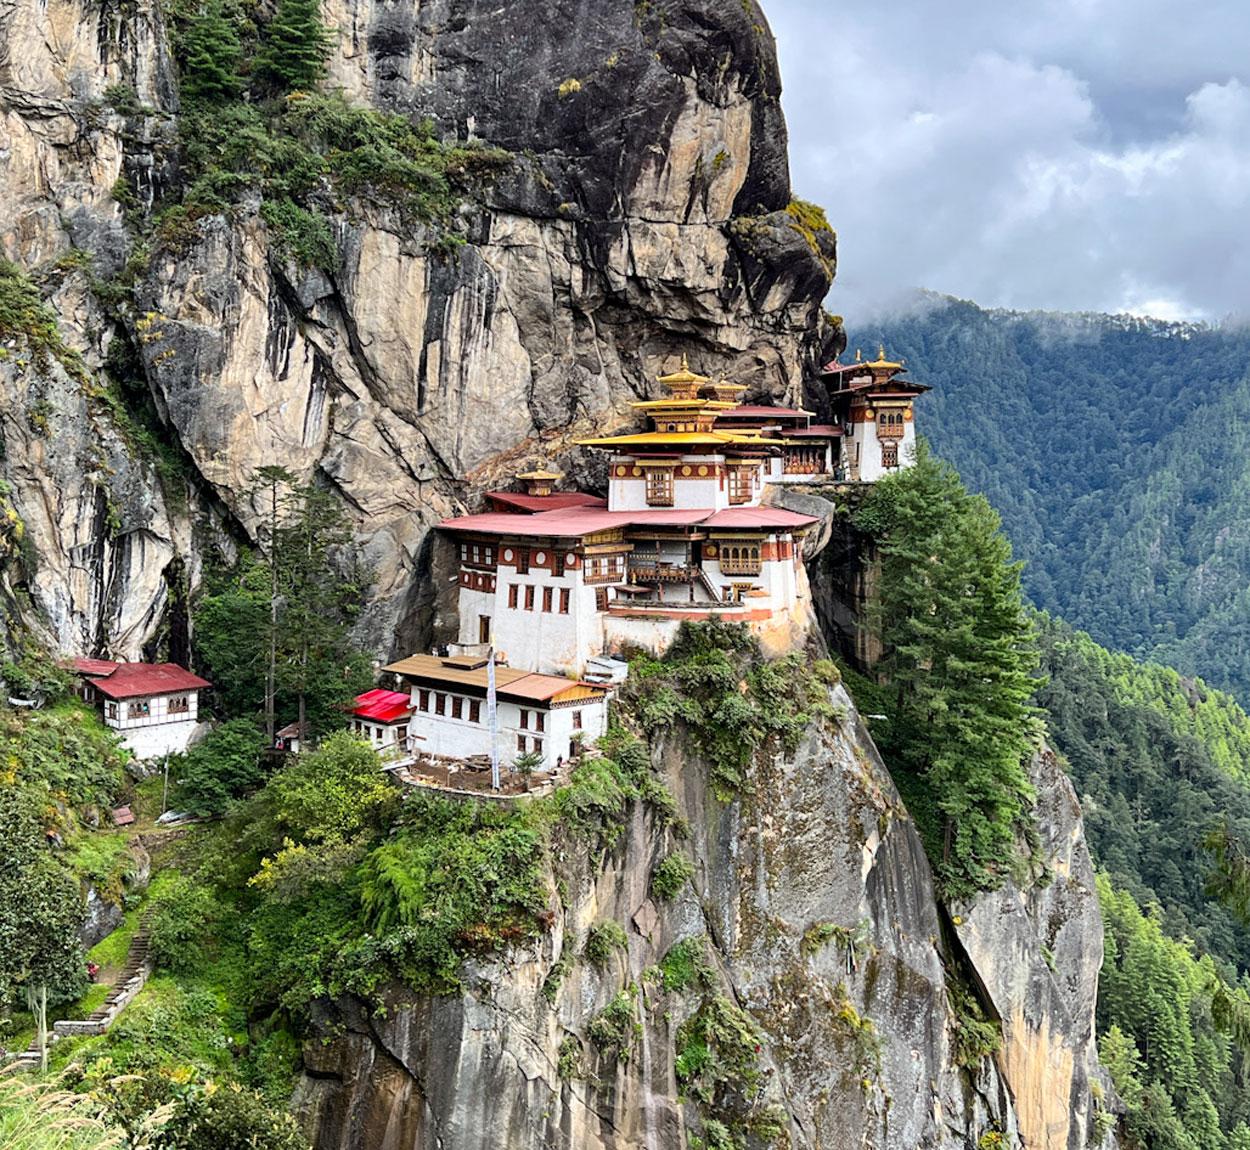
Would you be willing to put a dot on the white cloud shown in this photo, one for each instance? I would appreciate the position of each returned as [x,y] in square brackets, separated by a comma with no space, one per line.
[1086,155]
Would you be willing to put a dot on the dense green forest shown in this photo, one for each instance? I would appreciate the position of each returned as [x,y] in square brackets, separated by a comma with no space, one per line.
[1115,450]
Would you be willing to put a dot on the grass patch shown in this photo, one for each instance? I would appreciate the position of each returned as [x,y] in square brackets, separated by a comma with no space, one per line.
[686,967]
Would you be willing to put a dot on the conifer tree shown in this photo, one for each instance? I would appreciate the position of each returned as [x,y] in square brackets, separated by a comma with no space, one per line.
[296,46]
[209,54]
[960,657]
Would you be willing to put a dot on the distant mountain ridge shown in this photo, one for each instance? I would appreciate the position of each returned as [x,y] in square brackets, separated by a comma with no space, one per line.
[1115,449]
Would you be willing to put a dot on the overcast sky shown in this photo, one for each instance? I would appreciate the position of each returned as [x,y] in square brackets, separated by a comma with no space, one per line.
[1062,154]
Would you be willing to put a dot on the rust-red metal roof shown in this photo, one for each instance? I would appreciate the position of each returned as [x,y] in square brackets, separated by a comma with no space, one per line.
[94,666]
[130,680]
[382,706]
[816,431]
[575,522]
[554,502]
[759,517]
[757,409]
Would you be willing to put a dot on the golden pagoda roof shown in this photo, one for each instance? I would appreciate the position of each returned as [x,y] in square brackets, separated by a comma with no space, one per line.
[540,474]
[881,361]
[683,376]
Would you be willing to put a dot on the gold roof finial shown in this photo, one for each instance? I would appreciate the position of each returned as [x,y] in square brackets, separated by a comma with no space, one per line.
[881,351]
[857,355]
[685,366]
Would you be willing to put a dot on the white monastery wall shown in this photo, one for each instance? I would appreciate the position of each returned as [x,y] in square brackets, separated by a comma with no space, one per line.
[165,738]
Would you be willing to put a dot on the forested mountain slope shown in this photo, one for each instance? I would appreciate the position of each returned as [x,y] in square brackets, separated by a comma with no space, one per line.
[1115,450]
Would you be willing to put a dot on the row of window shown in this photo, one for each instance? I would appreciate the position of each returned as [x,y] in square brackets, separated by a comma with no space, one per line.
[514,598]
[478,554]
[441,703]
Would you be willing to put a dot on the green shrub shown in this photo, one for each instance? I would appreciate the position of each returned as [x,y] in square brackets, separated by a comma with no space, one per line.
[218,770]
[180,921]
[602,939]
[616,1028]
[670,876]
[686,966]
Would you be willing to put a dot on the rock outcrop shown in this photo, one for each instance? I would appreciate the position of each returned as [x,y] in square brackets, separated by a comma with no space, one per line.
[642,216]
[818,905]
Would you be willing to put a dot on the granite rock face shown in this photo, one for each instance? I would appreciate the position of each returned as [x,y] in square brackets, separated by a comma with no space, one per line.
[858,1024]
[642,216]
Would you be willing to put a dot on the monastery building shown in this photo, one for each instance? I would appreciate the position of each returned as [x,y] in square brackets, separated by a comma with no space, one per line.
[554,579]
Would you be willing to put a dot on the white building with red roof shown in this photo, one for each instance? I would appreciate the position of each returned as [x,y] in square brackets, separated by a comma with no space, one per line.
[153,706]
[383,718]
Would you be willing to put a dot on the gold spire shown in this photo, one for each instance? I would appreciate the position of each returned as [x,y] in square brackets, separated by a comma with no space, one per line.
[857,355]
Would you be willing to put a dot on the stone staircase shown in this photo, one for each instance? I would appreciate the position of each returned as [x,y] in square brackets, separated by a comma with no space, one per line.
[134,974]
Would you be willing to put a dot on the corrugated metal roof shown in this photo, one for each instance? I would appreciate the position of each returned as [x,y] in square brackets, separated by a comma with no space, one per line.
[95,666]
[759,517]
[578,521]
[382,706]
[757,409]
[816,431]
[556,502]
[129,680]
[510,682]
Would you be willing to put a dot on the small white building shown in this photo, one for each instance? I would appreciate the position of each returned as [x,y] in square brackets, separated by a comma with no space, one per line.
[542,714]
[153,706]
[383,718]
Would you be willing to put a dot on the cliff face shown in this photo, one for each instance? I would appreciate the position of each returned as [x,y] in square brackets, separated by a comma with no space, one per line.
[641,216]
[818,905]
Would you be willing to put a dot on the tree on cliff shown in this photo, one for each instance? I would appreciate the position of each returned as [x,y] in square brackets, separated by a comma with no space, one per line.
[296,46]
[208,55]
[959,663]
[274,632]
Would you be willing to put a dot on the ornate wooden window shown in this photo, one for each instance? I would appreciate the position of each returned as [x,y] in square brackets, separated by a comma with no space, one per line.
[577,720]
[525,719]
[529,598]
[548,596]
[457,707]
[440,703]
[740,484]
[177,705]
[540,721]
[423,700]
[522,560]
[740,558]
[889,455]
[139,710]
[475,710]
[564,600]
[660,486]
[514,595]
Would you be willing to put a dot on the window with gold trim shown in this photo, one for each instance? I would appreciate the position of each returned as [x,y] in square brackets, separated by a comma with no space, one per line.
[660,486]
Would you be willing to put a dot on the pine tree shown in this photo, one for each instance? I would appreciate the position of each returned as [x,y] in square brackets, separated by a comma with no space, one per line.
[960,657]
[296,46]
[209,55]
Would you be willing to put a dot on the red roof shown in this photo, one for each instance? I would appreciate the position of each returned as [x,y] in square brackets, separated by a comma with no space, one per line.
[759,517]
[578,521]
[556,502]
[94,666]
[836,368]
[383,706]
[816,431]
[129,680]
[753,410]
